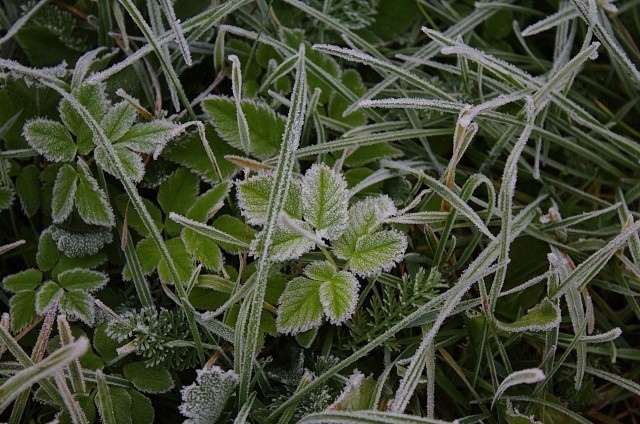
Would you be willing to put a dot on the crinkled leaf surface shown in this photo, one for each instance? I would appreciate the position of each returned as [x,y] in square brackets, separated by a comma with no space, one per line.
[300,308]
[204,400]
[325,200]
[64,192]
[253,198]
[91,200]
[51,139]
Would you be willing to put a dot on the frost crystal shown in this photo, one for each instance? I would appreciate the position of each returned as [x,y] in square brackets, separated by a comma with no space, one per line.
[204,400]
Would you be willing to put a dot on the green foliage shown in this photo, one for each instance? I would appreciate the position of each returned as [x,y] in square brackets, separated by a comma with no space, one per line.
[345,221]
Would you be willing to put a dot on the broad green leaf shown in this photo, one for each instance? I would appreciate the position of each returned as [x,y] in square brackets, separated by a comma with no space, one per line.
[78,305]
[376,252]
[118,120]
[141,408]
[22,309]
[29,189]
[48,293]
[339,296]
[209,203]
[338,104]
[82,279]
[299,307]
[51,139]
[26,280]
[131,162]
[202,249]
[190,153]
[204,400]
[325,201]
[285,244]
[6,197]
[181,259]
[235,228]
[253,198]
[320,271]
[357,394]
[149,257]
[148,379]
[543,317]
[365,217]
[122,403]
[177,194]
[92,97]
[265,126]
[91,200]
[48,253]
[148,136]
[64,192]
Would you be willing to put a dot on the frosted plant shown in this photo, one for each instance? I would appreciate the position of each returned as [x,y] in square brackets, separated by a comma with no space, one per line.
[316,213]
[204,400]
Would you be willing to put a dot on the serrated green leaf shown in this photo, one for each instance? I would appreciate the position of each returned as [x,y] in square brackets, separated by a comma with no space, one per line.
[118,120]
[285,244]
[26,280]
[299,307]
[265,126]
[91,200]
[29,190]
[22,309]
[103,344]
[148,379]
[181,259]
[82,279]
[339,296]
[48,253]
[148,136]
[48,293]
[92,97]
[202,249]
[253,198]
[320,271]
[6,197]
[376,252]
[133,218]
[121,400]
[131,162]
[325,201]
[357,395]
[78,305]
[204,400]
[365,217]
[64,192]
[177,194]
[51,139]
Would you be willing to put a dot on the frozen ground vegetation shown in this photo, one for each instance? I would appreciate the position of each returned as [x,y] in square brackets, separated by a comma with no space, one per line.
[323,211]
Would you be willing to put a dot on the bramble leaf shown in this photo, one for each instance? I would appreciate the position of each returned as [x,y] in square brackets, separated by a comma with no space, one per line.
[147,137]
[22,309]
[92,97]
[299,308]
[48,293]
[325,201]
[78,305]
[265,126]
[81,279]
[339,296]
[91,200]
[118,120]
[26,280]
[51,139]
[177,194]
[29,191]
[64,192]
[285,244]
[253,198]
[204,400]
[376,252]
